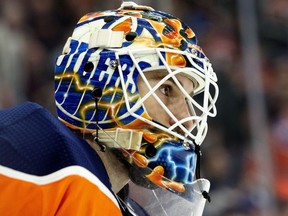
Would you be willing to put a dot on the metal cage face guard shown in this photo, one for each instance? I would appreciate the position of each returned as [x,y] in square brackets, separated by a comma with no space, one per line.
[110,51]
[199,72]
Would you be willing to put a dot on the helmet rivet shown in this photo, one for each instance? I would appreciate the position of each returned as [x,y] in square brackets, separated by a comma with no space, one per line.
[186,145]
[194,51]
[113,64]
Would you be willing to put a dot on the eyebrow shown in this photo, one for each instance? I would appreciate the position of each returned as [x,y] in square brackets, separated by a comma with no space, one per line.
[160,76]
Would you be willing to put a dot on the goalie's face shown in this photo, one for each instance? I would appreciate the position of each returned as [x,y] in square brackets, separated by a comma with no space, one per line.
[171,96]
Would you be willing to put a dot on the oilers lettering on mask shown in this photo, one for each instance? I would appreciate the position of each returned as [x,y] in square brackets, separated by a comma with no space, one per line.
[106,74]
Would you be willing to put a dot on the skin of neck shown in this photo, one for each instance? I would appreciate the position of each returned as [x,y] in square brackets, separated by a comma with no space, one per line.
[117,171]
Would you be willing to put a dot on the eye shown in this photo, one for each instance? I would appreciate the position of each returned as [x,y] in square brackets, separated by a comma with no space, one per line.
[166,90]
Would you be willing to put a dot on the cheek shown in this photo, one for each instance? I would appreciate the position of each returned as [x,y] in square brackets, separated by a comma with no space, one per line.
[153,108]
[156,112]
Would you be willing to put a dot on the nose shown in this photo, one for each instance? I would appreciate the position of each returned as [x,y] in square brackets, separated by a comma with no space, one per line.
[180,111]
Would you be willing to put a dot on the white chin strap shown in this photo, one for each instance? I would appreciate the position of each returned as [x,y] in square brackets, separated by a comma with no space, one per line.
[121,138]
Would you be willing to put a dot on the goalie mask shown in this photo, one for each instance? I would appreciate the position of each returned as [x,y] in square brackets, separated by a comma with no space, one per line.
[97,91]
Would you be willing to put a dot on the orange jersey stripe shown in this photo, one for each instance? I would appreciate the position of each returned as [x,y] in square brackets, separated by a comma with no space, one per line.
[70,194]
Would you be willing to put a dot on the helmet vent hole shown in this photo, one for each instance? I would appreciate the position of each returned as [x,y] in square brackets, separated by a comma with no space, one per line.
[88,67]
[183,33]
[109,18]
[131,36]
[150,151]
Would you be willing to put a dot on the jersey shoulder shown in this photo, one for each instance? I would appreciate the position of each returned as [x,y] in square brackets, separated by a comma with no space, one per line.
[43,163]
[35,142]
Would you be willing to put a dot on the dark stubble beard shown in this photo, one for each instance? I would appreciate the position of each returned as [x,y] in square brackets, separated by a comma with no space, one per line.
[138,177]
